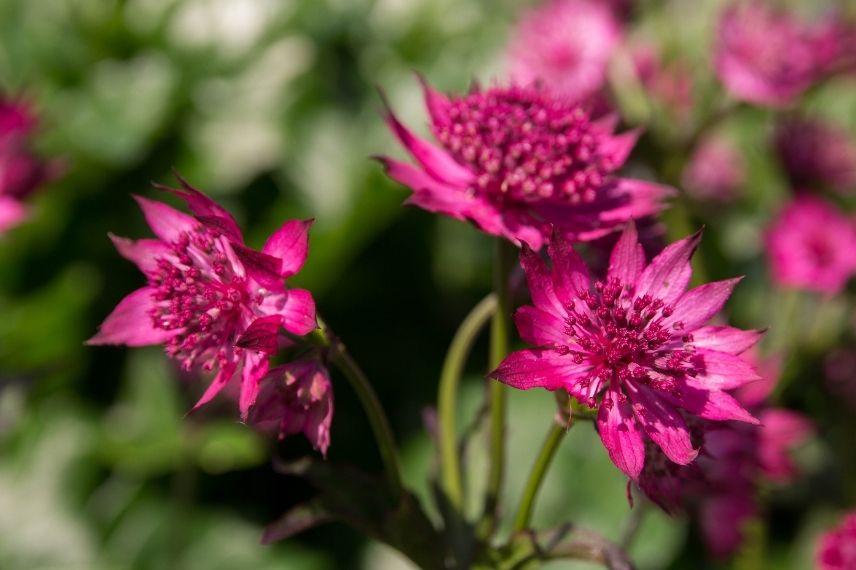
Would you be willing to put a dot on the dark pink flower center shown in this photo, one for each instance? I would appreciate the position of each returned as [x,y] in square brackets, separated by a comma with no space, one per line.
[525,146]
[199,293]
[625,337]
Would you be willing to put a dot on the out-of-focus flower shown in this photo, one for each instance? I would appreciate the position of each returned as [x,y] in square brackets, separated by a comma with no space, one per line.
[837,548]
[21,171]
[840,374]
[671,85]
[836,45]
[516,161]
[765,56]
[639,339]
[212,301]
[715,171]
[812,246]
[814,153]
[565,46]
[296,398]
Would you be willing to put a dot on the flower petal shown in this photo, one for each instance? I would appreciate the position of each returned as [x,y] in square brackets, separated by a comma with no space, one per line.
[12,213]
[299,312]
[617,148]
[721,371]
[436,102]
[166,222]
[628,257]
[219,382]
[255,367]
[697,306]
[668,274]
[663,424]
[290,243]
[620,433]
[130,323]
[540,327]
[262,335]
[264,268]
[570,274]
[539,368]
[711,405]
[143,252]
[540,282]
[725,339]
[206,210]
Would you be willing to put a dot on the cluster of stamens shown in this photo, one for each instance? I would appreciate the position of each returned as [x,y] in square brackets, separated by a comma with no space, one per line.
[198,293]
[625,337]
[525,146]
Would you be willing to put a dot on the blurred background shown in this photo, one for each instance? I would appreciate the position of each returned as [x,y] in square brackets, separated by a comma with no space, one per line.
[271,106]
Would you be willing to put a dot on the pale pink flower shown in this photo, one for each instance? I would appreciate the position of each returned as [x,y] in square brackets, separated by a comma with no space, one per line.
[212,301]
[765,56]
[812,246]
[715,171]
[635,345]
[565,45]
[296,398]
[515,160]
[21,171]
[670,84]
[815,153]
[837,548]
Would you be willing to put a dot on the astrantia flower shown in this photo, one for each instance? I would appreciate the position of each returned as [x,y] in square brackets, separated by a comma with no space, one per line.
[815,153]
[715,170]
[812,246]
[213,302]
[766,57]
[296,398]
[515,160]
[634,345]
[565,45]
[21,171]
[837,548]
[669,84]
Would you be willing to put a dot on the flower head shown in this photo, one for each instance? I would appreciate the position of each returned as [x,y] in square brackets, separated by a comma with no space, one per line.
[715,170]
[296,398]
[213,302]
[565,46]
[515,160]
[812,246]
[767,57]
[837,548]
[21,171]
[816,153]
[635,345]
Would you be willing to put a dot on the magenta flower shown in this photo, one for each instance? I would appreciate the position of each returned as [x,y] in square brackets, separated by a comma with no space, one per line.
[21,171]
[634,345]
[837,548]
[296,398]
[515,160]
[715,171]
[766,57]
[814,153]
[565,46]
[812,246]
[213,302]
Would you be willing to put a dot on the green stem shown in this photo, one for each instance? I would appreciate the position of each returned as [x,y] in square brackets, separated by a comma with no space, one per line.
[499,340]
[448,392]
[369,400]
[536,476]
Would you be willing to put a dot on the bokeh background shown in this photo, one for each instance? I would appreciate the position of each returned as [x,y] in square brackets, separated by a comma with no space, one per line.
[271,106]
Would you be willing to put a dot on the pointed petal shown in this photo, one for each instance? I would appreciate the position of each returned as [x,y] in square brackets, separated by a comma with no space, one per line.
[130,323]
[721,371]
[255,367]
[540,282]
[217,384]
[290,243]
[12,213]
[262,335]
[264,268]
[539,368]
[299,312]
[206,210]
[570,274]
[697,306]
[628,258]
[663,424]
[620,433]
[166,222]
[712,405]
[725,339]
[436,102]
[143,252]
[668,274]
[617,148]
[428,193]
[540,328]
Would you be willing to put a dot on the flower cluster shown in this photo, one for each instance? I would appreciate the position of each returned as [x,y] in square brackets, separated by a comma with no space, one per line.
[837,548]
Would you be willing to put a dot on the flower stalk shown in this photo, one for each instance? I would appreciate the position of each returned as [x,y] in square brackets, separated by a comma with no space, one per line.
[536,476]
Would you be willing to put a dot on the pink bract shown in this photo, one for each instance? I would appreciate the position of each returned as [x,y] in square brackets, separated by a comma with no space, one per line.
[715,171]
[635,345]
[565,46]
[812,246]
[837,548]
[212,301]
[767,57]
[516,161]
[296,398]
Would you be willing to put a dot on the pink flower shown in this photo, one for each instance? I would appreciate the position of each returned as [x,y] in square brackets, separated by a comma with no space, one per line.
[515,160]
[837,548]
[637,340]
[295,398]
[816,153]
[565,45]
[766,57]
[812,246]
[21,171]
[669,84]
[212,301]
[715,171]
